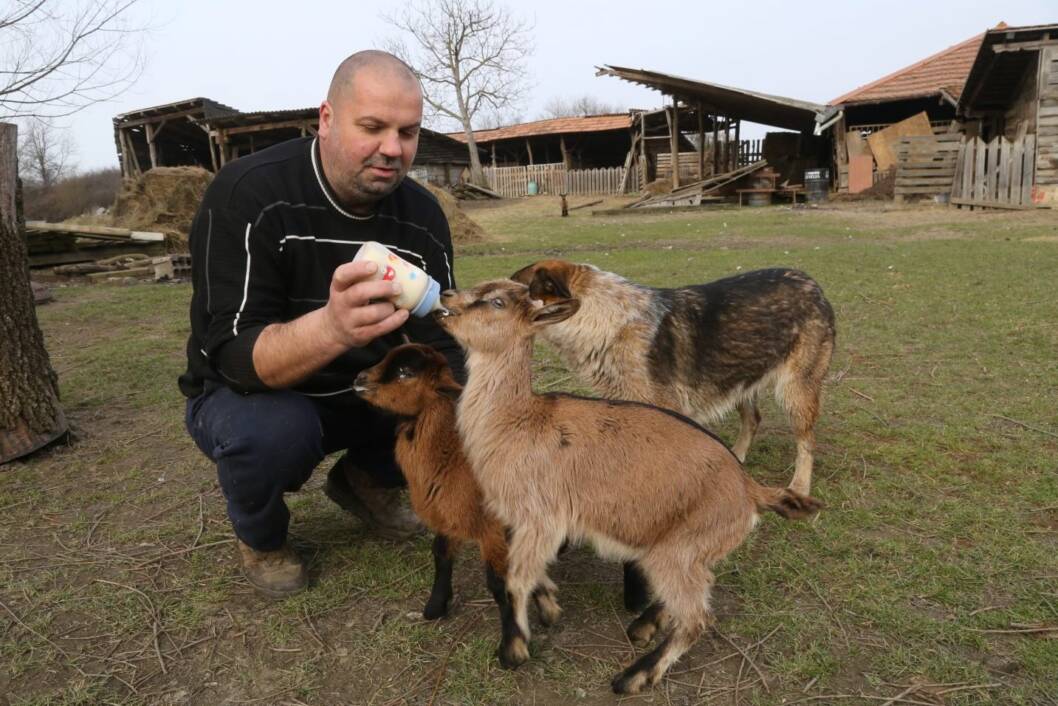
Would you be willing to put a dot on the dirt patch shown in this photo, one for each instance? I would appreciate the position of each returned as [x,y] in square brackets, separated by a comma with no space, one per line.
[164,199]
[464,229]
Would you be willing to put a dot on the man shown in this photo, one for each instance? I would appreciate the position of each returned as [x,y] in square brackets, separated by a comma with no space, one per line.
[282,321]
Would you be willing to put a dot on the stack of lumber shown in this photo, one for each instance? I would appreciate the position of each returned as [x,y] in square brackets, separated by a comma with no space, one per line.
[74,230]
[925,166]
[470,192]
[715,188]
[63,243]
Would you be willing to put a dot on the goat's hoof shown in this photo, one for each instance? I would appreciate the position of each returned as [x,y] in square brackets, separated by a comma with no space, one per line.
[435,610]
[514,653]
[631,681]
[548,608]
[641,632]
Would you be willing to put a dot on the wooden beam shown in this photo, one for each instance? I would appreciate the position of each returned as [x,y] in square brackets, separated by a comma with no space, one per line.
[716,146]
[738,142]
[674,142]
[151,148]
[493,155]
[644,164]
[212,153]
[701,143]
[134,161]
[268,126]
[1046,41]
[197,112]
[529,149]
[565,152]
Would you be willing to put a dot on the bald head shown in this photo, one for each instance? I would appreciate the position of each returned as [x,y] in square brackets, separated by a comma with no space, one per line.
[378,63]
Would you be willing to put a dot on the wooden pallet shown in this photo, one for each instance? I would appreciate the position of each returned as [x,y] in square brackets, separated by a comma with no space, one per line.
[925,165]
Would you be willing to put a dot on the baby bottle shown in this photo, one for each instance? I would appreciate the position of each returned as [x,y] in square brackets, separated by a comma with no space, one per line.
[421,293]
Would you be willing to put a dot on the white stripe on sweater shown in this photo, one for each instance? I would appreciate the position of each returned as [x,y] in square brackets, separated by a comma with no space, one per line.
[245,286]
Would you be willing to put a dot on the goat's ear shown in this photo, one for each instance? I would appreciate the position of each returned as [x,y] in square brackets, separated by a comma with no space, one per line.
[450,391]
[555,312]
[547,285]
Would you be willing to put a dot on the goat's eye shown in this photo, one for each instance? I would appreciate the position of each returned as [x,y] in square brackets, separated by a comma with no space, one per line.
[405,373]
[498,303]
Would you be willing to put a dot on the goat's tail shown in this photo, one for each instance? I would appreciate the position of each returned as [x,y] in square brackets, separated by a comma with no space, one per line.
[788,503]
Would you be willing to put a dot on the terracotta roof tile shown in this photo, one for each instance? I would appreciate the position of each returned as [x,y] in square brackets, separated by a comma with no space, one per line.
[946,70]
[553,126]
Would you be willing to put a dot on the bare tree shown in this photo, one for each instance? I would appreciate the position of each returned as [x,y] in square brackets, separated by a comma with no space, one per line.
[493,119]
[581,105]
[470,56]
[44,152]
[57,58]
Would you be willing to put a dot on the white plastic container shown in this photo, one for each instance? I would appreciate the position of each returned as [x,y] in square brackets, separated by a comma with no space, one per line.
[421,293]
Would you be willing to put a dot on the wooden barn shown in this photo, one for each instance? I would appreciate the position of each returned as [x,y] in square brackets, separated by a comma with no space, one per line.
[202,132]
[1009,106]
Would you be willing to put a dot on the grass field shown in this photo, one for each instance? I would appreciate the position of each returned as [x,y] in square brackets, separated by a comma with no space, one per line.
[931,577]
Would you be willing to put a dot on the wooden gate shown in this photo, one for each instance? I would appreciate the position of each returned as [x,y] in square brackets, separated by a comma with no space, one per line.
[997,174]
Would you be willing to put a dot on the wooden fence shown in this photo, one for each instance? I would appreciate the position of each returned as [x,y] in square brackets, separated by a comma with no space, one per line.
[998,174]
[513,182]
[925,165]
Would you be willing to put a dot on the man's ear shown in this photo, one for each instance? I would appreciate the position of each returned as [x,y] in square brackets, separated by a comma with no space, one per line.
[555,312]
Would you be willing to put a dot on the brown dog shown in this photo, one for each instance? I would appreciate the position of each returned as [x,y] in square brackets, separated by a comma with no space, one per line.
[700,350]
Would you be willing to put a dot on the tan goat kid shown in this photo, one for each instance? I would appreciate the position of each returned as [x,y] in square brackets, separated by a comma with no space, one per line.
[638,482]
[414,383]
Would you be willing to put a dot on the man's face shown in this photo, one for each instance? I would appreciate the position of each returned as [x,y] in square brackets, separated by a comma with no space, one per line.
[369,136]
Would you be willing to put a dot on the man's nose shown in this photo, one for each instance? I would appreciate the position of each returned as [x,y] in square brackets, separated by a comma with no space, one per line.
[390,146]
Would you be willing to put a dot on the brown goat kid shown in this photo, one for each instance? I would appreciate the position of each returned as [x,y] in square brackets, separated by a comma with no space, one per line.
[414,382]
[701,350]
[639,482]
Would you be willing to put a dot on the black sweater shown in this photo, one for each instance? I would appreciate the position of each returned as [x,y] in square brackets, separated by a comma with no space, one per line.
[264,245]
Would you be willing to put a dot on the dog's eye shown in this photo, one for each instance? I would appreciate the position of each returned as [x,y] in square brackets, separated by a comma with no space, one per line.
[498,303]
[403,373]
[548,287]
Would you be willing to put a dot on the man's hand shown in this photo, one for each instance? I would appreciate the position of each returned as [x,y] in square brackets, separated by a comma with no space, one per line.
[357,311]
[355,314]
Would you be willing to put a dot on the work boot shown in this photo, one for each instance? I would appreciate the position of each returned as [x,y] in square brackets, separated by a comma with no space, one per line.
[383,510]
[276,574]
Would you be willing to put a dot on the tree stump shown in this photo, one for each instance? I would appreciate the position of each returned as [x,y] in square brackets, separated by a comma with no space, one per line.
[30,415]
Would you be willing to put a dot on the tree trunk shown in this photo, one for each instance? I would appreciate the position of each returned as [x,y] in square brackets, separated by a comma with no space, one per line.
[30,415]
[477,174]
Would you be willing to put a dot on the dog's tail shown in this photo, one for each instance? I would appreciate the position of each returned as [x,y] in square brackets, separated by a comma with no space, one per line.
[788,503]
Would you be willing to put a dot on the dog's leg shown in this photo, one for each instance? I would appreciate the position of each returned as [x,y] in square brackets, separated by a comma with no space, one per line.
[800,397]
[750,414]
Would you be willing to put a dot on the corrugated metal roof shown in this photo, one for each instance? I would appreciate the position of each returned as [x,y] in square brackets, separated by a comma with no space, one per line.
[552,126]
[763,108]
[945,71]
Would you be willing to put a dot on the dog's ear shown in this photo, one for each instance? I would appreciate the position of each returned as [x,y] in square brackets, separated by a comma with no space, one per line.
[548,286]
[554,313]
[524,275]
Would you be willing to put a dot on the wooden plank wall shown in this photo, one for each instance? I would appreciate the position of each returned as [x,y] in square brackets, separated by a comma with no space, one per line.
[995,174]
[1047,124]
[925,165]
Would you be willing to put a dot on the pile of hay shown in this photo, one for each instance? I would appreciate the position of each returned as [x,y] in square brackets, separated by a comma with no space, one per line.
[658,186]
[163,199]
[464,230]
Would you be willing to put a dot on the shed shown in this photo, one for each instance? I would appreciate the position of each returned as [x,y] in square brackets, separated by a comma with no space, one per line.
[578,142]
[1010,106]
[202,132]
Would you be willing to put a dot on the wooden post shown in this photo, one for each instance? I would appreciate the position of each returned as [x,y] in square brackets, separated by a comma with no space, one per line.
[565,153]
[716,146]
[565,206]
[674,141]
[738,142]
[150,144]
[212,151]
[529,149]
[134,161]
[644,166]
[493,155]
[701,143]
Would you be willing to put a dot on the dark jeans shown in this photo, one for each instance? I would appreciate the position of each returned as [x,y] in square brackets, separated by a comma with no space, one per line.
[266,444]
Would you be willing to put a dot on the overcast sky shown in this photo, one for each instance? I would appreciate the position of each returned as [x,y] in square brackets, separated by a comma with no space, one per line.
[267,54]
